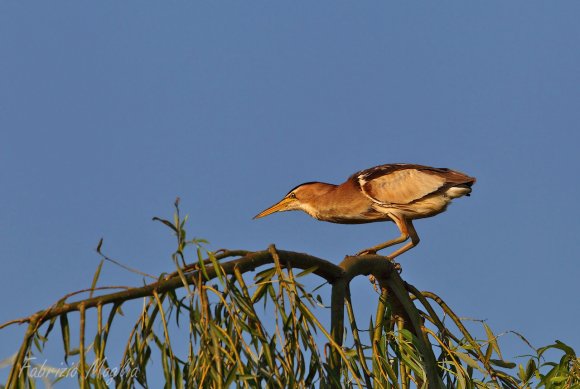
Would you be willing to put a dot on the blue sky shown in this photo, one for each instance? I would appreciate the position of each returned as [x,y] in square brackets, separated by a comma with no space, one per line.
[109,110]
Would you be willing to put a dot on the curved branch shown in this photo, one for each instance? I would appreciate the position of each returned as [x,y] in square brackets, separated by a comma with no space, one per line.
[249,262]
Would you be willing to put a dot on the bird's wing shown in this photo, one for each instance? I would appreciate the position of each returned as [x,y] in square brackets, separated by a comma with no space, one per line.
[397,184]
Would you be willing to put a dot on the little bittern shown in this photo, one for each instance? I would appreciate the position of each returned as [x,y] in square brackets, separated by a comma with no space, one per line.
[398,192]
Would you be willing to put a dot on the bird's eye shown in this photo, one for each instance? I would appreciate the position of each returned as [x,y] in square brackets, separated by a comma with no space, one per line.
[292,195]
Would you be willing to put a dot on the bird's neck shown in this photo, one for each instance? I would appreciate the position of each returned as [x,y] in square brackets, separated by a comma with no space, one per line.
[332,200]
[317,203]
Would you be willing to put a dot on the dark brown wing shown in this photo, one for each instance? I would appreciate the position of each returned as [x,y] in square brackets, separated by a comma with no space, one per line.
[405,183]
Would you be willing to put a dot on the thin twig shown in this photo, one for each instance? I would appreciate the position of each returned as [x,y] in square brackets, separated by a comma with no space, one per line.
[60,301]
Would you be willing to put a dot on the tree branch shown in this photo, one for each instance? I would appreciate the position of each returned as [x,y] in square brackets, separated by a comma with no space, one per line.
[249,262]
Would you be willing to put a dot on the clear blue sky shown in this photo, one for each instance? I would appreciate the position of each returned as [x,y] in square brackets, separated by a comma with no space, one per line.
[109,110]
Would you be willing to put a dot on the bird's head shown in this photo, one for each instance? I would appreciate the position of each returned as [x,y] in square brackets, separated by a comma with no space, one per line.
[302,197]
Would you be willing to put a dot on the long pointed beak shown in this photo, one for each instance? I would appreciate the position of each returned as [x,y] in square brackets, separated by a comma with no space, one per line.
[280,206]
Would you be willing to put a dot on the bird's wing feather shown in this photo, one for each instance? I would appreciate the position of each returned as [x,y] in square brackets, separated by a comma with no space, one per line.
[399,186]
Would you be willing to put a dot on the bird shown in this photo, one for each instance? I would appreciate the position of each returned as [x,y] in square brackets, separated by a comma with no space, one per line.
[398,192]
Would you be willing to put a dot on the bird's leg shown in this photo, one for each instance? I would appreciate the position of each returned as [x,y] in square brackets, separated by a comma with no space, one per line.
[410,229]
[405,233]
[374,249]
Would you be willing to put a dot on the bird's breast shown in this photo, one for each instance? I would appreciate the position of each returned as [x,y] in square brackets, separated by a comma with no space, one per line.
[358,219]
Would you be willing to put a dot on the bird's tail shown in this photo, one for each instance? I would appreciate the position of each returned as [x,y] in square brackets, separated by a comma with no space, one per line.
[458,191]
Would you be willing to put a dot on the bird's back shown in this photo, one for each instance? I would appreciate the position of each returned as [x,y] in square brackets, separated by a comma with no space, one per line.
[414,191]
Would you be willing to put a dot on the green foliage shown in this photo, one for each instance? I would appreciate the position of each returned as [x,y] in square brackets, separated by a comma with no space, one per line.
[265,331]
[565,374]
